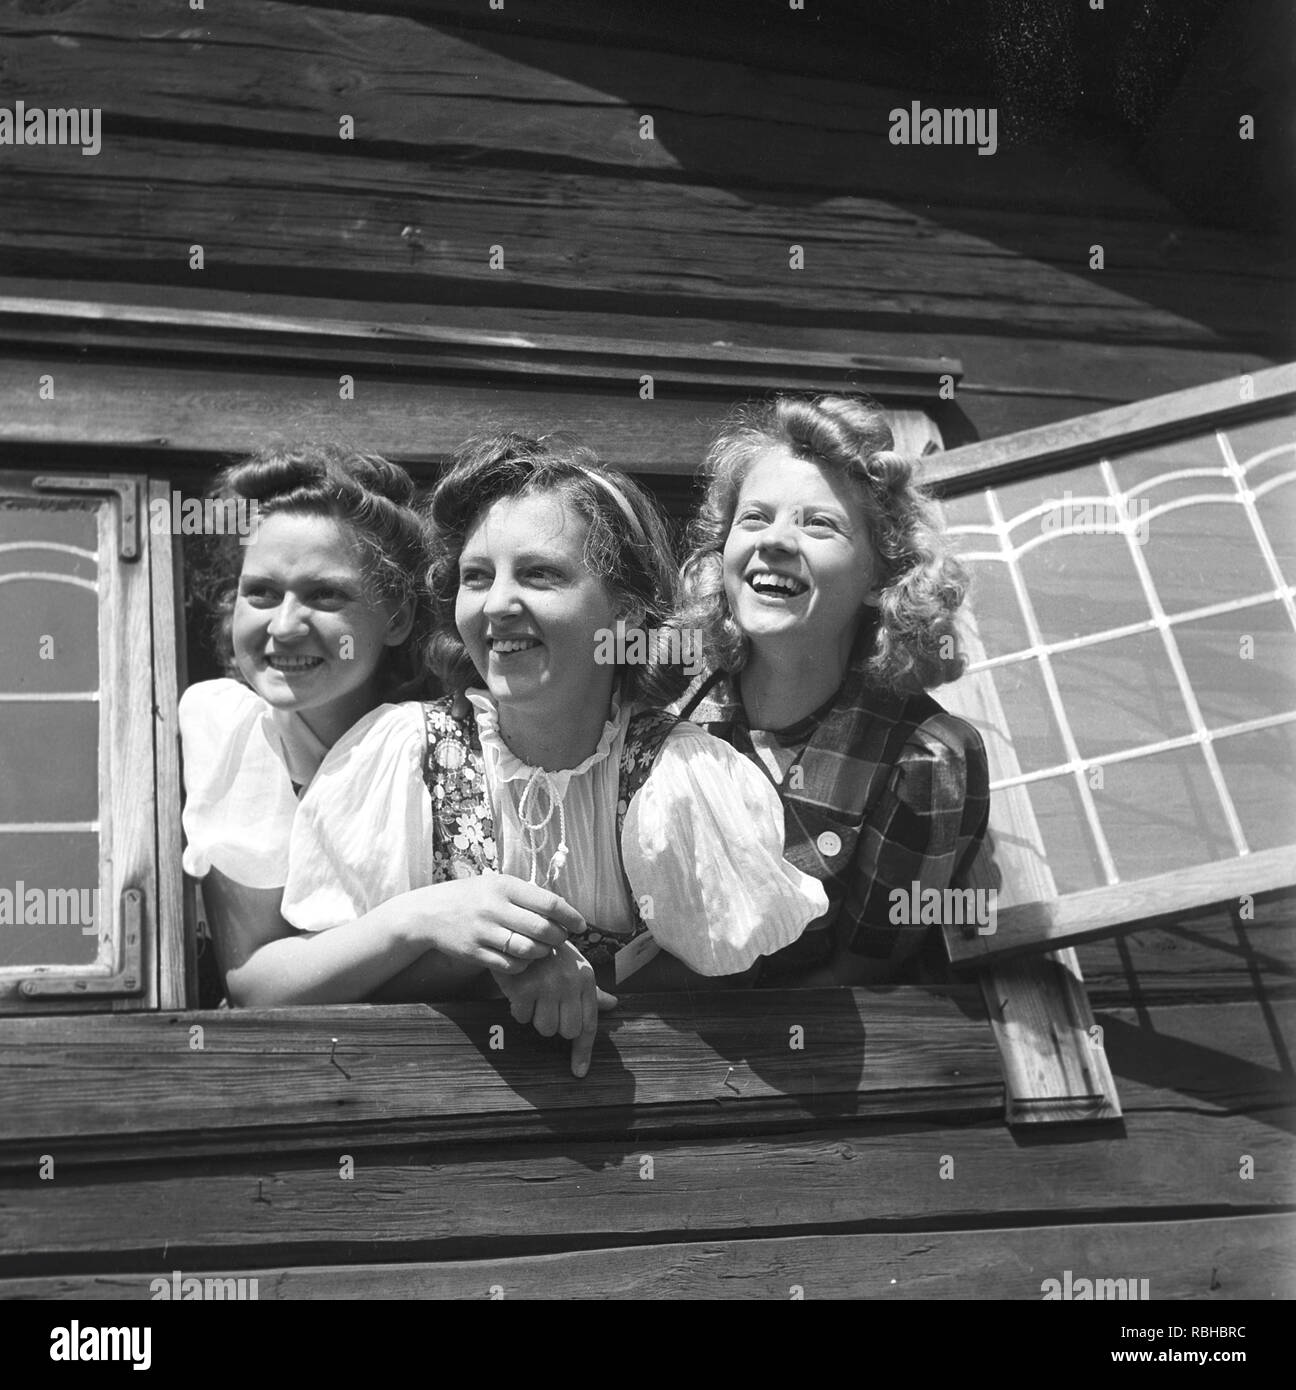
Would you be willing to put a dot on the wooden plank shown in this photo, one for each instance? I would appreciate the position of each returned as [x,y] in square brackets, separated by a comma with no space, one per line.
[212,413]
[166,603]
[271,219]
[708,1061]
[1011,384]
[44,324]
[1222,1259]
[1055,1068]
[1034,926]
[455,94]
[1217,1058]
[1089,436]
[1209,955]
[403,1204]
[795,41]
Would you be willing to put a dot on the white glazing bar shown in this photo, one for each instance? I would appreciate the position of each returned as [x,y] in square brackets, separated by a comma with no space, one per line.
[48,696]
[1186,691]
[49,827]
[1147,750]
[1253,516]
[1110,634]
[1055,696]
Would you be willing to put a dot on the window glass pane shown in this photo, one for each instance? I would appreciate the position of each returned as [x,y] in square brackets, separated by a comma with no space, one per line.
[1241,665]
[1162,813]
[49,608]
[1196,453]
[1265,449]
[49,904]
[1260,772]
[968,510]
[1068,843]
[49,761]
[1277,512]
[1015,499]
[1120,694]
[993,600]
[1203,554]
[1028,712]
[1082,584]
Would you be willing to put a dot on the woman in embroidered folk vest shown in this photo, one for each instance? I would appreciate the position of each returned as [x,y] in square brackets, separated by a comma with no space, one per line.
[546,769]
[314,579]
[824,603]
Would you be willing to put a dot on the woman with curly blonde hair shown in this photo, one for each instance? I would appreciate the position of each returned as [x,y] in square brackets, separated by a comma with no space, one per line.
[820,591]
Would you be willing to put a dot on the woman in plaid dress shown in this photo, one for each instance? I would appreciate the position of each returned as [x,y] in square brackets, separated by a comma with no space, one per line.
[824,600]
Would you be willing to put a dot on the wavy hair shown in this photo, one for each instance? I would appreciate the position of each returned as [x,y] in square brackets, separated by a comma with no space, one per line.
[372,497]
[915,643]
[627,545]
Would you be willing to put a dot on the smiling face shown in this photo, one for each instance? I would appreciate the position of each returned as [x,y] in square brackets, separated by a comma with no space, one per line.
[308,632]
[799,565]
[528,610]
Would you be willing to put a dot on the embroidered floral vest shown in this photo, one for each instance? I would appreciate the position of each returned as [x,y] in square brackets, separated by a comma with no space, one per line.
[463,836]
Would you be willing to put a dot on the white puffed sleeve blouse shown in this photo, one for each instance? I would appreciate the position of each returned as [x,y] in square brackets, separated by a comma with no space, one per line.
[241,761]
[702,841]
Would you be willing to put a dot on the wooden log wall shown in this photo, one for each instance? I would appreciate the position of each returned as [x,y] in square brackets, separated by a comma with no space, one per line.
[768,1168]
[521,129]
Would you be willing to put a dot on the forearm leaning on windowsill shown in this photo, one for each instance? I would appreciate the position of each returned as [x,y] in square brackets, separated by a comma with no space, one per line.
[266,963]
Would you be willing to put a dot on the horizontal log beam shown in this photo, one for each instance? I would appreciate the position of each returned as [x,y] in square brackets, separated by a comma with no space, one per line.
[1242,1257]
[403,1204]
[317,1074]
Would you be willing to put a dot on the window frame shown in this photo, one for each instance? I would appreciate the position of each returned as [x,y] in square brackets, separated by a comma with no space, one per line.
[1032,915]
[140,933]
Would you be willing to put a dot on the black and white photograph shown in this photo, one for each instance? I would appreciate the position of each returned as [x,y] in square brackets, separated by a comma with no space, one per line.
[648,653]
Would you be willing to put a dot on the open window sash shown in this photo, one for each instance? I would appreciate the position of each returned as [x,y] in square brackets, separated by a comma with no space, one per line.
[1132,643]
[82,771]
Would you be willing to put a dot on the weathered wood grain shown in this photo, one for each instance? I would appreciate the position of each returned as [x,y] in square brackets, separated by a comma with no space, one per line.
[1043,1025]
[568,360]
[1071,441]
[166,581]
[1227,1058]
[270,219]
[276,74]
[1023,928]
[1221,1259]
[185,409]
[1208,955]
[454,1203]
[1010,384]
[709,1060]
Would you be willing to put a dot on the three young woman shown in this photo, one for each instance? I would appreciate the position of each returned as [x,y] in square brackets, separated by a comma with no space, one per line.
[546,764]
[544,824]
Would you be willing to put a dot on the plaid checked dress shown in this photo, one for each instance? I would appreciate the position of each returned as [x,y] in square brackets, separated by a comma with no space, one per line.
[879,791]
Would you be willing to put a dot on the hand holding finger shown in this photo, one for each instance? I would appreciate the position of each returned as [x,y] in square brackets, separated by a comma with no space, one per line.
[545,904]
[517,942]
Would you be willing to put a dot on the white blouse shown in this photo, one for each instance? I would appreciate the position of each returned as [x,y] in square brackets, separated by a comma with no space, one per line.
[241,759]
[702,842]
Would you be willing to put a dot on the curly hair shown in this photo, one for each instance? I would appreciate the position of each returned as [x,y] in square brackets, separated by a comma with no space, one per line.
[915,643]
[372,497]
[627,544]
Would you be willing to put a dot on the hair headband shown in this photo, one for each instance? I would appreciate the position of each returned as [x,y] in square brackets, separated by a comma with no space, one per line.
[619,497]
